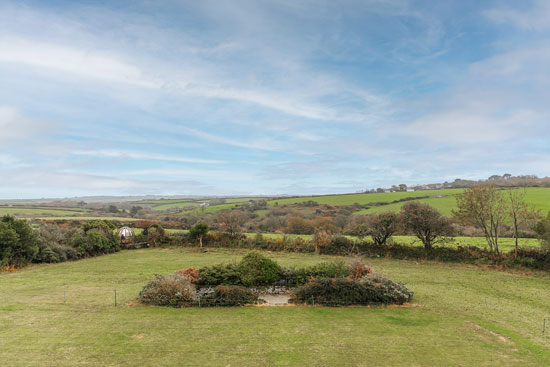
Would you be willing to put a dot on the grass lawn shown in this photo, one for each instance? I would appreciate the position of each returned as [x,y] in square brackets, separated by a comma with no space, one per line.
[464,316]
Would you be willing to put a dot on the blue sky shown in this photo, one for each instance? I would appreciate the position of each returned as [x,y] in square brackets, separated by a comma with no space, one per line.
[269,97]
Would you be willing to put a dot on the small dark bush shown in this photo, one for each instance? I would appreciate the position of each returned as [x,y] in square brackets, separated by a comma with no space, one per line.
[293,277]
[373,289]
[257,270]
[226,295]
[221,274]
[173,290]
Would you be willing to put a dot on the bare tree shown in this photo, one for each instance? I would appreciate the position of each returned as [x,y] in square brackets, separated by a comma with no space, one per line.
[231,222]
[486,208]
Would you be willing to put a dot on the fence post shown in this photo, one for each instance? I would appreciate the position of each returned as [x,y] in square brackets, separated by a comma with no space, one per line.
[543,325]
[115,297]
[64,297]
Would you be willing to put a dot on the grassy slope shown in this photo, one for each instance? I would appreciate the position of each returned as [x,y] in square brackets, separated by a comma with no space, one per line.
[350,199]
[467,317]
[539,197]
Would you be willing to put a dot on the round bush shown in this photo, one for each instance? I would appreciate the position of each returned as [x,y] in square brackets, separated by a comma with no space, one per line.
[173,290]
[258,270]
[227,295]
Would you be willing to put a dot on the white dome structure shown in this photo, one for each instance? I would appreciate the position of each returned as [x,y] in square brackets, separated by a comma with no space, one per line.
[126,235]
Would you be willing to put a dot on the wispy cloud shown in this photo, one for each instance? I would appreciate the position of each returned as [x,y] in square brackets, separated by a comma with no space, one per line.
[124,154]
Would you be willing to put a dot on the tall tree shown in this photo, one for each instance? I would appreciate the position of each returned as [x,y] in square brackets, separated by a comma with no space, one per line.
[486,208]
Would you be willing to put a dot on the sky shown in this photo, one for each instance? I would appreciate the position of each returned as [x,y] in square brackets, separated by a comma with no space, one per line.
[245,97]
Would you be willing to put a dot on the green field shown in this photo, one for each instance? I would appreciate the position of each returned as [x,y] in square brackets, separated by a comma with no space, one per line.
[463,316]
[350,199]
[122,219]
[539,197]
[34,211]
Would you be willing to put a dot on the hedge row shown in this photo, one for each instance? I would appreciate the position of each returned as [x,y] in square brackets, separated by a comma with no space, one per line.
[340,245]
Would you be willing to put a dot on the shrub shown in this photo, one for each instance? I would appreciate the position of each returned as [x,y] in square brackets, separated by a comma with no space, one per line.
[94,243]
[154,235]
[257,270]
[329,269]
[221,274]
[386,291]
[341,245]
[227,295]
[55,244]
[358,270]
[104,225]
[173,290]
[373,289]
[293,277]
[192,273]
[332,291]
[18,242]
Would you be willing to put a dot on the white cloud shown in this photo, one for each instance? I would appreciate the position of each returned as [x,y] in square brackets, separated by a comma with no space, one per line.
[536,18]
[125,154]
[75,61]
[14,126]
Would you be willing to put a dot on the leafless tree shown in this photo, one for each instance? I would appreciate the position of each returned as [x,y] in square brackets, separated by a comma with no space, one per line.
[486,208]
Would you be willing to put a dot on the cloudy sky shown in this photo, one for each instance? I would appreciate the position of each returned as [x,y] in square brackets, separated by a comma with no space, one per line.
[269,96]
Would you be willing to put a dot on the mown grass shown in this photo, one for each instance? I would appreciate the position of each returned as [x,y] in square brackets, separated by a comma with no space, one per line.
[464,316]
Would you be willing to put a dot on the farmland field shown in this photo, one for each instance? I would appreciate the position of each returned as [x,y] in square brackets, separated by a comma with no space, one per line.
[462,316]
[34,211]
[539,197]
[350,199]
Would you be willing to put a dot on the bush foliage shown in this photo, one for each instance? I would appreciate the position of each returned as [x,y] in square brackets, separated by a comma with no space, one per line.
[373,289]
[173,290]
[226,296]
[257,270]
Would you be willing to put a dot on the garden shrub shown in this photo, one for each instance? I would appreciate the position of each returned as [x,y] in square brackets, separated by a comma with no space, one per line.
[258,270]
[358,270]
[373,289]
[221,274]
[293,277]
[329,269]
[226,295]
[192,273]
[173,290]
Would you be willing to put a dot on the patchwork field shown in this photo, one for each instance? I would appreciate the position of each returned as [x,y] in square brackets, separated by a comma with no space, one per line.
[462,316]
